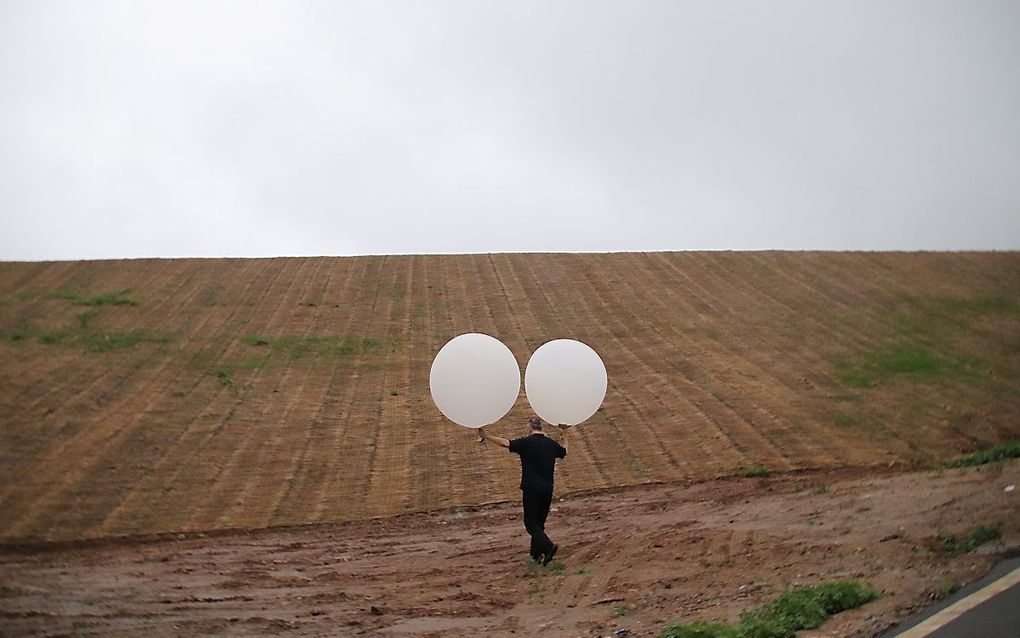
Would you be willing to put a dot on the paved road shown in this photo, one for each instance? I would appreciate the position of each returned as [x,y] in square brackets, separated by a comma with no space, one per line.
[996,616]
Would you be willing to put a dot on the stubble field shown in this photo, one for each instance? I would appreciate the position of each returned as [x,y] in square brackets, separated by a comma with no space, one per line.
[158,396]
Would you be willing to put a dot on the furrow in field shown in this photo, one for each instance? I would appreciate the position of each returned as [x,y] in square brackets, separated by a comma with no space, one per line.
[82,443]
[441,277]
[274,426]
[309,473]
[339,460]
[37,389]
[777,377]
[693,440]
[714,369]
[532,309]
[185,503]
[648,422]
[127,454]
[389,474]
[177,416]
[558,308]
[655,354]
[201,408]
[775,393]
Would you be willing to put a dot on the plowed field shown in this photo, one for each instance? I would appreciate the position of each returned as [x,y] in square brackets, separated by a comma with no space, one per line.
[149,396]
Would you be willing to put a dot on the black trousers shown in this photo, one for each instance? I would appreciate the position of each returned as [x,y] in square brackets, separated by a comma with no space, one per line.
[536,510]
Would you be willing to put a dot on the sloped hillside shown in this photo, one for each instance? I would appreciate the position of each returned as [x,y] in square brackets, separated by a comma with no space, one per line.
[145,396]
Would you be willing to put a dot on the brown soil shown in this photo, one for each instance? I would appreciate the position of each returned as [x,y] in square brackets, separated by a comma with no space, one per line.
[632,559]
[269,392]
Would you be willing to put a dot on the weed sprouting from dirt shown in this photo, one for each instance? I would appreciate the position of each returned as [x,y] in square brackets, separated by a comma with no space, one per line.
[300,346]
[555,567]
[956,545]
[795,609]
[945,588]
[84,318]
[1001,452]
[580,571]
[617,611]
[755,470]
[224,378]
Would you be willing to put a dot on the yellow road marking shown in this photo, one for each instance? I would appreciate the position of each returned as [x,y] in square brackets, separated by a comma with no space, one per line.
[954,611]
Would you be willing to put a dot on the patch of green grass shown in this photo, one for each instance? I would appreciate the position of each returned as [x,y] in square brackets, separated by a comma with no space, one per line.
[796,609]
[56,336]
[580,571]
[108,299]
[821,488]
[85,317]
[224,378]
[1001,452]
[945,588]
[555,567]
[106,341]
[756,470]
[984,305]
[914,362]
[952,544]
[618,611]
[91,340]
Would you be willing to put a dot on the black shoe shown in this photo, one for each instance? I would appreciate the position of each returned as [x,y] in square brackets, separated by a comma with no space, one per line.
[549,555]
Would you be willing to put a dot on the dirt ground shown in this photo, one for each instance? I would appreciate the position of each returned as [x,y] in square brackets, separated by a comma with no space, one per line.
[631,560]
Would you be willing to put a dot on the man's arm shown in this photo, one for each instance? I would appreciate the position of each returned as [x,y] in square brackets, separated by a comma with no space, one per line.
[484,436]
[563,435]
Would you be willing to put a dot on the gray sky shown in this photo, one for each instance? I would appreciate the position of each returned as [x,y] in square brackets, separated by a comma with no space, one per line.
[247,128]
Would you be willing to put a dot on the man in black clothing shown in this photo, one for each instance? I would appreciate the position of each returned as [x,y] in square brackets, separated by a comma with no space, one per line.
[538,462]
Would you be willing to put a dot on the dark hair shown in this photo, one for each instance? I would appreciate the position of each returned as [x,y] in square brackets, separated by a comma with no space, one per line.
[535,423]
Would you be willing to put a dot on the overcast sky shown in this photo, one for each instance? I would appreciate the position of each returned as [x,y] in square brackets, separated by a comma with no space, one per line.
[172,128]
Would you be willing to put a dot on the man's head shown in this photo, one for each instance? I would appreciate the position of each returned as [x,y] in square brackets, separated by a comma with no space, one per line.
[535,424]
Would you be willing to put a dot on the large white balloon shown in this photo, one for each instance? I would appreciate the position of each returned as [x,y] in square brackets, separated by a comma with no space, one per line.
[475,380]
[565,382]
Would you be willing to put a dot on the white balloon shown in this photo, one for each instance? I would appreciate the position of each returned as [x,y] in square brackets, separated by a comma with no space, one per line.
[474,380]
[565,382]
